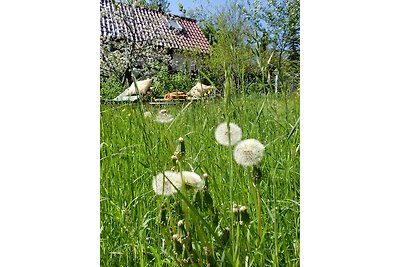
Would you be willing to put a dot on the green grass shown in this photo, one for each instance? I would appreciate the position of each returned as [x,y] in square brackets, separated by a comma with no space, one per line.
[134,149]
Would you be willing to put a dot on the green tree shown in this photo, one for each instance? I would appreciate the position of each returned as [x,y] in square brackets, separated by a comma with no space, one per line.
[229,49]
[159,5]
[135,3]
[182,9]
[282,23]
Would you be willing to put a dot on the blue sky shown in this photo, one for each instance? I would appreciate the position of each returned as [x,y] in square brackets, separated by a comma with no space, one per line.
[190,4]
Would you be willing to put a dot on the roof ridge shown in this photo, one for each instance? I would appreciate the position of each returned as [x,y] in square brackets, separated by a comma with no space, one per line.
[124,21]
[151,10]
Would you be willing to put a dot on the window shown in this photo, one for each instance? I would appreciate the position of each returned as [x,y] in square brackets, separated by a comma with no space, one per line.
[174,25]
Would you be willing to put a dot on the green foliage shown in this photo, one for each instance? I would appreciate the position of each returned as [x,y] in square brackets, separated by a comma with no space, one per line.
[111,87]
[229,49]
[257,41]
[282,20]
[166,82]
[159,5]
[162,82]
[140,3]
[181,82]
[181,9]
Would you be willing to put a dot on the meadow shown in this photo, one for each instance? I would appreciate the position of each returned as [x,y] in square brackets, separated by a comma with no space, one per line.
[243,217]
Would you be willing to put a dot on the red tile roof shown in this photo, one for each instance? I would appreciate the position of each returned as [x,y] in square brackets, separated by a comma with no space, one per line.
[149,25]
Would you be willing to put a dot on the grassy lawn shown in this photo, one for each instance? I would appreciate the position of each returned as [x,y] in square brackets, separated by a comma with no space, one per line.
[135,231]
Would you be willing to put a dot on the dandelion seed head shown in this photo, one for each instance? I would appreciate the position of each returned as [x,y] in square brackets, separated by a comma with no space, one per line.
[180,139]
[249,152]
[164,117]
[193,179]
[243,209]
[162,186]
[147,114]
[221,134]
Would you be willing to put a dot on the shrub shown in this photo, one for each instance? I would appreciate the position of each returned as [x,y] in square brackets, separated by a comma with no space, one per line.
[165,82]
[111,87]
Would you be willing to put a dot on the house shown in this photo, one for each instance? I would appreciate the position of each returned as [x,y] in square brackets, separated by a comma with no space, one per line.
[141,27]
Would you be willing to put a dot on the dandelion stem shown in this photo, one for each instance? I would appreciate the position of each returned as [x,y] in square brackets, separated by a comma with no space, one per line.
[258,213]
[227,101]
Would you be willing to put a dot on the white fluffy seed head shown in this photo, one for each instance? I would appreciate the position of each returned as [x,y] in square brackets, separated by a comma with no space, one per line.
[249,152]
[235,209]
[147,114]
[193,179]
[164,118]
[221,134]
[162,186]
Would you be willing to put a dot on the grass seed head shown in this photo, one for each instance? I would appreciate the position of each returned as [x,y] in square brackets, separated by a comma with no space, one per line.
[207,252]
[235,208]
[174,160]
[180,150]
[181,228]
[249,152]
[221,134]
[244,215]
[177,244]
